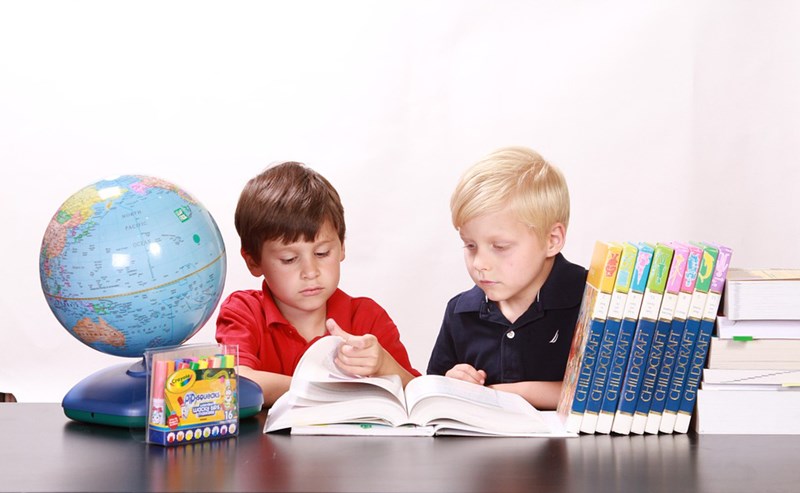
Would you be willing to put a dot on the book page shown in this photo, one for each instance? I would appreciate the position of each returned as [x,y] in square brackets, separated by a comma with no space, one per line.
[289,412]
[318,378]
[555,429]
[438,400]
[365,429]
[437,385]
[335,391]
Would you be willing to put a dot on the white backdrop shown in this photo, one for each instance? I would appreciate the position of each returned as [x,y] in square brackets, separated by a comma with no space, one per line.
[671,120]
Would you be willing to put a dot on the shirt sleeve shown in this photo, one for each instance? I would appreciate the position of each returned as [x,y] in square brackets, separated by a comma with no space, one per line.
[238,323]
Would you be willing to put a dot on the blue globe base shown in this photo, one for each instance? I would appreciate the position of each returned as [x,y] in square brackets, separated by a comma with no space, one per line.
[117,396]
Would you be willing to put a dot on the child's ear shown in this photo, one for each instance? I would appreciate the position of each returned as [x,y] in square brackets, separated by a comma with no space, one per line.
[253,266]
[555,239]
[342,256]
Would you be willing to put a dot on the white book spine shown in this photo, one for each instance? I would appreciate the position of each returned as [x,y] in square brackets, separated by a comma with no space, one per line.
[604,422]
[667,423]
[712,305]
[601,306]
[698,305]
[651,305]
[588,423]
[682,421]
[668,304]
[653,422]
[682,307]
[622,423]
[633,305]
[638,423]
[616,309]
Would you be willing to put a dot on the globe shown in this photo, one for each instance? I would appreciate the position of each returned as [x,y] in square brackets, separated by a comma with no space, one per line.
[126,265]
[132,263]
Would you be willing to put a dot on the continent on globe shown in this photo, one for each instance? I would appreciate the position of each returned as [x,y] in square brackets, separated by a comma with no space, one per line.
[90,332]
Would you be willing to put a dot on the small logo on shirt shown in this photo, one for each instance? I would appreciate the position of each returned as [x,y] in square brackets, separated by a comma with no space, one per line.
[554,339]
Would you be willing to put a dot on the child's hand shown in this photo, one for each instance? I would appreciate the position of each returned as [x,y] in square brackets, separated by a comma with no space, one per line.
[359,355]
[467,373]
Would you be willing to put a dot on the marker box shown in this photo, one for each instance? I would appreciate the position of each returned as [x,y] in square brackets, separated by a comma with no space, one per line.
[192,393]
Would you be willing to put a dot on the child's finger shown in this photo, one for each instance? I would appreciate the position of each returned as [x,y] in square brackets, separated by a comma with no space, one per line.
[359,342]
[335,330]
[467,373]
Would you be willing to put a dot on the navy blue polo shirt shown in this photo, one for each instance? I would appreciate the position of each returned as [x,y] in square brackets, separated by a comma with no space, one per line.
[534,348]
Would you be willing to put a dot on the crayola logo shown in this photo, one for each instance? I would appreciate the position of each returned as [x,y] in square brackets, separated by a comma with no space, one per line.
[181,381]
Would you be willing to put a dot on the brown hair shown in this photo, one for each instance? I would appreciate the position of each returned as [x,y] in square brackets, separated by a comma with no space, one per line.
[286,202]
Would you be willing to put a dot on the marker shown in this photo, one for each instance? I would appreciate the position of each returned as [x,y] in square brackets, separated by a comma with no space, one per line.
[743,338]
[184,408]
[157,409]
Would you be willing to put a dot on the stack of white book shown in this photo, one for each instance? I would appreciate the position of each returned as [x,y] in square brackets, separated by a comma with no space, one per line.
[751,384]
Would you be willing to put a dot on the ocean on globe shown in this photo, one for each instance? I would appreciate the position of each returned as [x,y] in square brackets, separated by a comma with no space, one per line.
[132,263]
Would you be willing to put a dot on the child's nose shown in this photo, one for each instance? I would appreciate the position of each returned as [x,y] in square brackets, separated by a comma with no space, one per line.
[310,269]
[479,263]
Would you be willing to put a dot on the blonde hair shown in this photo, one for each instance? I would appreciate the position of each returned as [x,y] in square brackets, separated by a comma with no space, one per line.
[513,176]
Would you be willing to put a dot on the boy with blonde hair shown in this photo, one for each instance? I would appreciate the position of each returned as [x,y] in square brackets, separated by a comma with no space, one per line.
[291,224]
[512,331]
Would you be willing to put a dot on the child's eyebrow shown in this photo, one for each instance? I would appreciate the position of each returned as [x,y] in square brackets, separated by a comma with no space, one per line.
[324,241]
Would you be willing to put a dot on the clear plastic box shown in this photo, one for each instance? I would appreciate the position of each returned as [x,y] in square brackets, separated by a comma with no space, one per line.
[192,393]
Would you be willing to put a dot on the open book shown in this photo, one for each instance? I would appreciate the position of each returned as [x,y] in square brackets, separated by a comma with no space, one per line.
[323,400]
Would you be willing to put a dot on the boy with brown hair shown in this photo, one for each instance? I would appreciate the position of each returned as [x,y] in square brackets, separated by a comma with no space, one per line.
[291,224]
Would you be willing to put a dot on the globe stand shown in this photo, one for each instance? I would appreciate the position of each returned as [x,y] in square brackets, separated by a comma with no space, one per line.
[117,396]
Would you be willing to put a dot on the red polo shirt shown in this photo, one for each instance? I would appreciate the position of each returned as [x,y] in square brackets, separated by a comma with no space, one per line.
[268,342]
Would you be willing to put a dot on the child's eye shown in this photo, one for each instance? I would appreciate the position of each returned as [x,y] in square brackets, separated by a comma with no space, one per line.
[500,247]
[469,246]
[287,261]
[323,254]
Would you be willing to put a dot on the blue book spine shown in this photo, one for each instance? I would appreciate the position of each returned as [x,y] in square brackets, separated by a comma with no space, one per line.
[679,373]
[661,390]
[633,376]
[650,375]
[619,363]
[695,370]
[587,366]
[605,353]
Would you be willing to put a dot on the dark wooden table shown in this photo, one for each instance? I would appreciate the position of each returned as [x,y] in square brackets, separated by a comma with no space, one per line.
[42,450]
